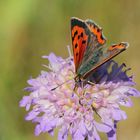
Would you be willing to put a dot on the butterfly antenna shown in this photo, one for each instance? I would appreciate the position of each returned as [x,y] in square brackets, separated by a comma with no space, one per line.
[61,84]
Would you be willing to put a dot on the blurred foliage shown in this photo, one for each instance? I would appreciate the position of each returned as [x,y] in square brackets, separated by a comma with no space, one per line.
[32,28]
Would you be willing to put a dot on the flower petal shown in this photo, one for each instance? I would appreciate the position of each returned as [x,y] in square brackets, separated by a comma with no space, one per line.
[111,135]
[102,127]
[58,102]
[93,135]
[63,133]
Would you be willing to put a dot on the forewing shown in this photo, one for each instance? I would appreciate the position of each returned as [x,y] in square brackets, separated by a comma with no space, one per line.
[94,49]
[80,37]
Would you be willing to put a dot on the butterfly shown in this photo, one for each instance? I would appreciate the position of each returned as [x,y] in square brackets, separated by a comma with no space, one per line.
[89,48]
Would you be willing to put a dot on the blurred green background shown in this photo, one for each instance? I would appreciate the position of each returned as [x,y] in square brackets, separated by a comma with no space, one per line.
[32,28]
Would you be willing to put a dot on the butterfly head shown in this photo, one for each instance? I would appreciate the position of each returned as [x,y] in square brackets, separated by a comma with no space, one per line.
[78,78]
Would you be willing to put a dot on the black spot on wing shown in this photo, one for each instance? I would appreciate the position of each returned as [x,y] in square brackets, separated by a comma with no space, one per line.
[102,37]
[98,30]
[82,34]
[84,41]
[75,33]
[72,38]
[76,45]
[113,46]
[79,36]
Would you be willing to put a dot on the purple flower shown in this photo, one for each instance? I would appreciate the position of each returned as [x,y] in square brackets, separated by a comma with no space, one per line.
[84,112]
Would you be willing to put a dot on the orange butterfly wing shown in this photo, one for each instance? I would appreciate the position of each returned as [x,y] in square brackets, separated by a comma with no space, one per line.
[80,37]
[97,31]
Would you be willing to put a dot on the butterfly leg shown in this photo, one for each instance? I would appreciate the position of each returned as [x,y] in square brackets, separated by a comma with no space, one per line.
[75,88]
[91,83]
[82,84]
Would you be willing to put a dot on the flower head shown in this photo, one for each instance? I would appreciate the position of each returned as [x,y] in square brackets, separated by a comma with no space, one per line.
[82,113]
